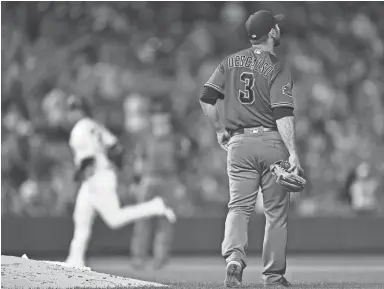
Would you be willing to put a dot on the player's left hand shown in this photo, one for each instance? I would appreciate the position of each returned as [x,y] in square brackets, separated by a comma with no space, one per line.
[223,138]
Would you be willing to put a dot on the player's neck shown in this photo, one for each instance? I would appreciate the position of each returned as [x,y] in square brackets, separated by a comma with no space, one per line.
[265,47]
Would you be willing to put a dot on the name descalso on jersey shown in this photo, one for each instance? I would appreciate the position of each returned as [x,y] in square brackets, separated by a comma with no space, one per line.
[252,83]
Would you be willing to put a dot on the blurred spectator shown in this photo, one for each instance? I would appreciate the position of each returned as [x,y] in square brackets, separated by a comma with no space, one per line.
[135,107]
[362,188]
[120,55]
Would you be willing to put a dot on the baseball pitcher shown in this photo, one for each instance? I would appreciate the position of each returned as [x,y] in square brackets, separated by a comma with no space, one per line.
[96,155]
[257,130]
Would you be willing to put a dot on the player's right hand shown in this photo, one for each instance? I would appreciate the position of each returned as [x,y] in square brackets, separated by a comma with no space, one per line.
[223,138]
[295,165]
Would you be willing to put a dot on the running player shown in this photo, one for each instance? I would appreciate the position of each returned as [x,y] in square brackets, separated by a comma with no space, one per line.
[96,152]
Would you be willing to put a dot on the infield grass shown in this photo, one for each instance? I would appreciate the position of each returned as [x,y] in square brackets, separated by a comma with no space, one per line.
[208,285]
[304,272]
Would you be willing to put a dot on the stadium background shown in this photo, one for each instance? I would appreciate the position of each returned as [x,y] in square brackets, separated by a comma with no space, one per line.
[122,56]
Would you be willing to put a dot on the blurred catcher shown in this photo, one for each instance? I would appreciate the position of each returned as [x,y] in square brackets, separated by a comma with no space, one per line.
[97,154]
[156,167]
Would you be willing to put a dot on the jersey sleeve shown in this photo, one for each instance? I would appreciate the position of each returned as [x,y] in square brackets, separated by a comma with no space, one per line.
[217,79]
[281,89]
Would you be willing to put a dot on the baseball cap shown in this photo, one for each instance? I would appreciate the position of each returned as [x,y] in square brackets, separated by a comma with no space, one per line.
[260,23]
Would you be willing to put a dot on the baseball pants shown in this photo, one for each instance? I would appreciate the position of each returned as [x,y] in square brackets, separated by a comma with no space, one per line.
[98,194]
[248,160]
[163,230]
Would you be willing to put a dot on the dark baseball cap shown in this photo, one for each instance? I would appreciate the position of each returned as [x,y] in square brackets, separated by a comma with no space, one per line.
[260,23]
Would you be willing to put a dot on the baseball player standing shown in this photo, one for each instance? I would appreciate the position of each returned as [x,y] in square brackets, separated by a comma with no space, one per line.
[97,154]
[257,129]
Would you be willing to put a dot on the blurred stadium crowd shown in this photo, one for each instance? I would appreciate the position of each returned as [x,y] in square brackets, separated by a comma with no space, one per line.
[122,55]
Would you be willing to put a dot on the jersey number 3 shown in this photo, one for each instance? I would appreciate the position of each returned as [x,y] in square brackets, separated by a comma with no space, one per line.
[247,96]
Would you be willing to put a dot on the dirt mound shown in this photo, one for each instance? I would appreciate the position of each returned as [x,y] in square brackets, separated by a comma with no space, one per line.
[25,273]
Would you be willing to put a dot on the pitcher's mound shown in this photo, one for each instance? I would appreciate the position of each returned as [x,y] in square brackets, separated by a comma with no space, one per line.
[24,273]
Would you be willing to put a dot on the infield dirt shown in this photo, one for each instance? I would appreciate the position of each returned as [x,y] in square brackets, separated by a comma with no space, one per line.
[23,273]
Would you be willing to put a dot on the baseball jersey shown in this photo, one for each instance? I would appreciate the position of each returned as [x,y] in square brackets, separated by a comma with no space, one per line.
[91,139]
[252,83]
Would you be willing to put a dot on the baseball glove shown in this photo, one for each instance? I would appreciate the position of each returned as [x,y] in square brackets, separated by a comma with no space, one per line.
[290,181]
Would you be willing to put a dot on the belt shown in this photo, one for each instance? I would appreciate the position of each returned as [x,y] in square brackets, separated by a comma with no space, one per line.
[251,130]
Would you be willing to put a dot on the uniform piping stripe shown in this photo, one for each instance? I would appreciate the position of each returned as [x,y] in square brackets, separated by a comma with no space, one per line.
[282,104]
[215,87]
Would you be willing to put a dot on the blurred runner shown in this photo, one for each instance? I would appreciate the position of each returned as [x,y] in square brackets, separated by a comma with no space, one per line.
[97,155]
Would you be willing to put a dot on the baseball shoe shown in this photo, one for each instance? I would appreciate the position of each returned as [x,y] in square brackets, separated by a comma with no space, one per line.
[163,209]
[279,284]
[234,274]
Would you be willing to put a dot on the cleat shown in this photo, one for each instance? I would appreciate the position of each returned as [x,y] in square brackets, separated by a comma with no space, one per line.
[234,275]
[282,283]
[164,210]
